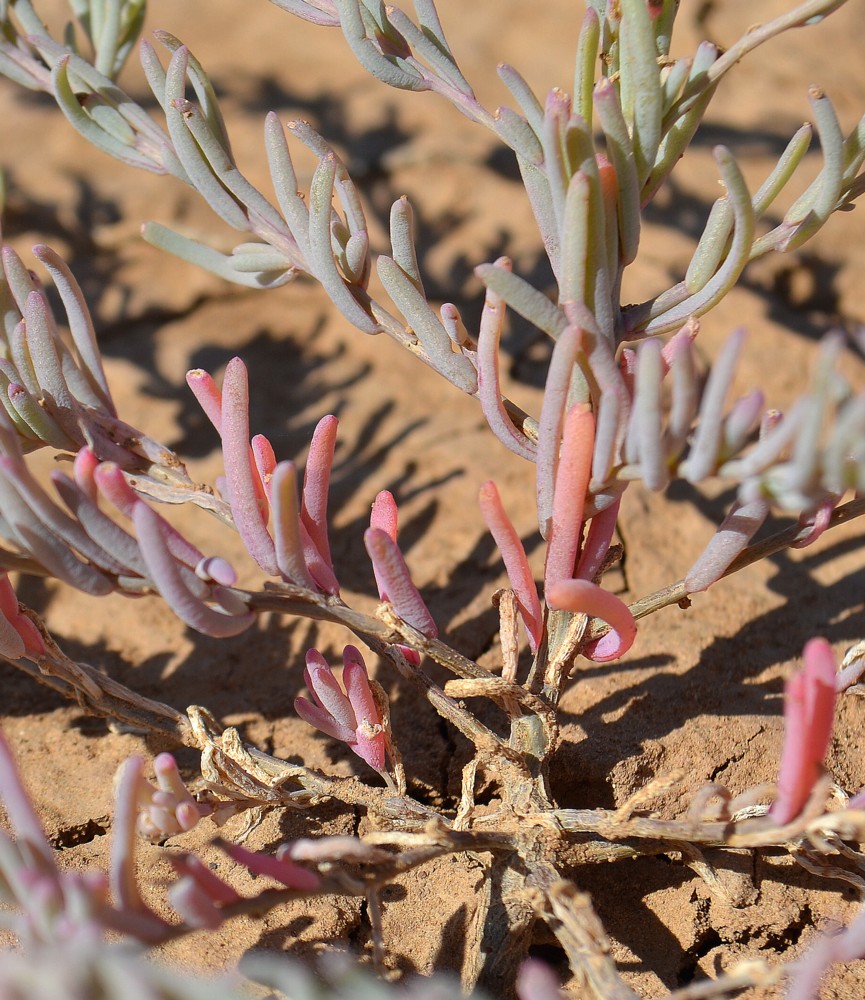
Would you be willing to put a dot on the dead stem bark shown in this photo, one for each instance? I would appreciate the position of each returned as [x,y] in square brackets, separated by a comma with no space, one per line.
[585,941]
[503,930]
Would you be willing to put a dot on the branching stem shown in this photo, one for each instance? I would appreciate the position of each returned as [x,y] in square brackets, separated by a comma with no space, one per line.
[676,593]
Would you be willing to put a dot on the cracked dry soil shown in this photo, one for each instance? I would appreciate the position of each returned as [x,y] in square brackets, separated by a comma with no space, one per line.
[701,690]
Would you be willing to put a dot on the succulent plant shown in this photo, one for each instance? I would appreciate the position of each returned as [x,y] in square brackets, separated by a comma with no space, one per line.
[621,404]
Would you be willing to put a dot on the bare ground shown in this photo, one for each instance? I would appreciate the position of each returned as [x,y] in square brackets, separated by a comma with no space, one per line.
[700,689]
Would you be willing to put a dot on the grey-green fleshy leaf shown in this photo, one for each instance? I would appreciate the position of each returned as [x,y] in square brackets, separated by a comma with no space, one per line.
[426,325]
[321,260]
[524,298]
[392,70]
[640,85]
[211,260]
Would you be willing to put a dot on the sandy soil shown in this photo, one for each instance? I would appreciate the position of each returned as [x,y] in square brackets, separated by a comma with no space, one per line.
[700,689]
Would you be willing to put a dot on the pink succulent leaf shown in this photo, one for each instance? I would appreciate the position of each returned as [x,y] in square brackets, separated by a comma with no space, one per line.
[597,543]
[124,887]
[105,532]
[351,716]
[156,823]
[194,905]
[165,573]
[192,867]
[29,509]
[820,521]
[615,400]
[809,713]
[265,461]
[489,389]
[684,393]
[681,341]
[628,368]
[34,645]
[369,734]
[168,808]
[213,569]
[384,514]
[244,488]
[557,109]
[48,547]
[83,469]
[343,848]
[319,570]
[732,537]
[742,420]
[53,517]
[145,927]
[288,543]
[11,643]
[230,602]
[645,434]
[327,693]
[207,394]
[582,596]
[778,433]
[552,419]
[390,568]
[537,981]
[611,418]
[516,563]
[355,679]
[291,875]
[86,900]
[127,791]
[369,745]
[569,497]
[114,487]
[168,777]
[319,718]
[706,445]
[316,485]
[18,635]
[30,837]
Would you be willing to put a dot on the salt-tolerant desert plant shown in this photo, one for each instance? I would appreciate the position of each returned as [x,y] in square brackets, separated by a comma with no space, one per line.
[621,405]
